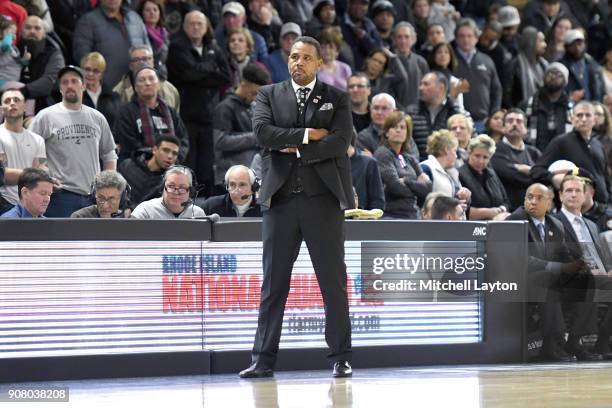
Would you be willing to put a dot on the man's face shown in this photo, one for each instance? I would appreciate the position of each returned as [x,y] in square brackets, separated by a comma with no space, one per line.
[572,196]
[239,186]
[146,84]
[357,9]
[327,14]
[249,91]
[430,89]
[577,49]
[108,200]
[403,40]
[514,125]
[583,119]
[195,26]
[287,42]
[111,5]
[384,21]
[232,21]
[554,79]
[165,154]
[37,199]
[509,32]
[488,37]
[33,29]
[537,201]
[551,9]
[466,39]
[379,111]
[304,63]
[71,87]
[13,104]
[176,190]
[139,57]
[358,90]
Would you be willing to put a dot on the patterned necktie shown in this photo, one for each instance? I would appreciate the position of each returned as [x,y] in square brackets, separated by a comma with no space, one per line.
[541,231]
[301,100]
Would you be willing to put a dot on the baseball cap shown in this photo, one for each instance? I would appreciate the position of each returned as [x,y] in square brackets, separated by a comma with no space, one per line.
[573,35]
[70,68]
[382,5]
[290,28]
[318,4]
[233,7]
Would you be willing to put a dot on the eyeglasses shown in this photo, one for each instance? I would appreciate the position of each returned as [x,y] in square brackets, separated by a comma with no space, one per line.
[176,190]
[101,200]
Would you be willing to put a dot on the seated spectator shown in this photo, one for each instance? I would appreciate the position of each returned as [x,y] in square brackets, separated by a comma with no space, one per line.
[177,197]
[433,110]
[463,128]
[428,203]
[239,201]
[524,74]
[11,61]
[110,195]
[234,140]
[440,166]
[447,209]
[510,20]
[420,21]
[359,90]
[111,29]
[19,147]
[488,43]
[34,187]
[435,36]
[489,198]
[65,14]
[145,170]
[264,19]
[602,131]
[368,139]
[402,177]
[366,178]
[153,16]
[45,63]
[543,14]
[444,13]
[148,117]
[143,55]
[332,71]
[277,60]
[98,94]
[324,16]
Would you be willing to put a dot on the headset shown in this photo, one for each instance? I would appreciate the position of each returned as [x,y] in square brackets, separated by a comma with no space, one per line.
[193,186]
[255,181]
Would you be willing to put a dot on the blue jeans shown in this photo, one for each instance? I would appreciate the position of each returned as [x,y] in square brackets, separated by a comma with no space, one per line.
[64,203]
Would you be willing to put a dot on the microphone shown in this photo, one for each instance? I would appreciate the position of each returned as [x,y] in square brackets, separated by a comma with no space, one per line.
[214,217]
[186,203]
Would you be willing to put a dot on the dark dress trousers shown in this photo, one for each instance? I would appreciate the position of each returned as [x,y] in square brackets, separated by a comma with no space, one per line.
[303,199]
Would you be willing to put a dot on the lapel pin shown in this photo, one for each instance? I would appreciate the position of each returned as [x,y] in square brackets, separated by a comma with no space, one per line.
[550,233]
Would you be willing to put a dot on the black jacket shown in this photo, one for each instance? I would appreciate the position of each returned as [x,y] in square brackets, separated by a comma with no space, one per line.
[423,126]
[546,119]
[487,190]
[222,205]
[595,77]
[40,76]
[234,140]
[199,78]
[109,103]
[145,184]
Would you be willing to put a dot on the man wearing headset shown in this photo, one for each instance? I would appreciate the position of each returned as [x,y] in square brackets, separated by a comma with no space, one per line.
[239,201]
[110,195]
[176,200]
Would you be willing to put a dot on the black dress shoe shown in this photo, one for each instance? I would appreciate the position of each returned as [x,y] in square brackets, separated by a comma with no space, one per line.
[557,356]
[603,349]
[342,369]
[257,370]
[582,354]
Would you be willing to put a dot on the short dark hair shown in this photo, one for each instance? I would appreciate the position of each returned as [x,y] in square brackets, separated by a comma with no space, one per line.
[12,89]
[516,111]
[167,138]
[254,74]
[360,74]
[442,206]
[311,41]
[30,177]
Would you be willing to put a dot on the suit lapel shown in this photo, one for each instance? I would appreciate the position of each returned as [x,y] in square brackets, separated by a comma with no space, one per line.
[314,100]
[569,230]
[289,95]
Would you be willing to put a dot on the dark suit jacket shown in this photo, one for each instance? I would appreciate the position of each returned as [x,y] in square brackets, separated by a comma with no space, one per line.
[572,239]
[274,125]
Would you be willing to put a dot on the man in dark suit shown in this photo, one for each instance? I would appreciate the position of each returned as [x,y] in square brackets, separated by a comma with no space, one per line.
[305,129]
[583,240]
[554,276]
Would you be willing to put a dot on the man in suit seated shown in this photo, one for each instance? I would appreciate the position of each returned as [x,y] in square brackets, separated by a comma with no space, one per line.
[241,184]
[555,277]
[583,240]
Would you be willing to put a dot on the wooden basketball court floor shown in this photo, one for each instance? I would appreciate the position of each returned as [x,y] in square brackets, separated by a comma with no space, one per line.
[523,386]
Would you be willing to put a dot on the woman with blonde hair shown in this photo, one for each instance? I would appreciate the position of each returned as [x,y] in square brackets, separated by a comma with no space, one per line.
[97,94]
[404,181]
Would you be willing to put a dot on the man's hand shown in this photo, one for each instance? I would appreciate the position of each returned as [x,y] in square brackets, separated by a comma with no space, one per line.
[522,168]
[577,266]
[317,134]
[423,178]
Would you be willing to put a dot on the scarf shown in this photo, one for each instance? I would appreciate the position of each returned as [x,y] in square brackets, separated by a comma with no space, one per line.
[147,121]
[158,36]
